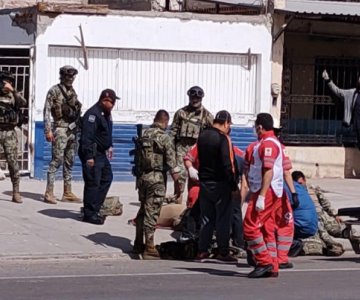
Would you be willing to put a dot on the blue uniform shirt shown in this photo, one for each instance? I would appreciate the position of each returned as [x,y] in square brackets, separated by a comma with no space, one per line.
[305,216]
[96,132]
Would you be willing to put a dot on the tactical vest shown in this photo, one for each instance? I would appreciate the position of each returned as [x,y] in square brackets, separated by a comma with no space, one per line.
[191,125]
[150,153]
[8,114]
[66,108]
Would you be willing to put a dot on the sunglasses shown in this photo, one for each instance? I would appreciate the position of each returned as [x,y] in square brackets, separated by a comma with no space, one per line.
[196,93]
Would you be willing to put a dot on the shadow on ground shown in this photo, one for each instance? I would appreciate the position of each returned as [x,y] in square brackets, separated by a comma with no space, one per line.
[61,213]
[339,259]
[33,196]
[107,240]
[215,272]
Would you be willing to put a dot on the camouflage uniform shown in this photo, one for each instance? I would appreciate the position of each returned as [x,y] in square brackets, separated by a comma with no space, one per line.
[328,225]
[10,103]
[155,162]
[185,129]
[66,115]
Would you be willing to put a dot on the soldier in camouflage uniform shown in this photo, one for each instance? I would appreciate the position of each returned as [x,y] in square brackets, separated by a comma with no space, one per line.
[331,225]
[62,105]
[10,103]
[187,124]
[155,156]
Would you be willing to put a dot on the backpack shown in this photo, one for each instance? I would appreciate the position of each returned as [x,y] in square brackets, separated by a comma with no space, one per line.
[111,207]
[176,250]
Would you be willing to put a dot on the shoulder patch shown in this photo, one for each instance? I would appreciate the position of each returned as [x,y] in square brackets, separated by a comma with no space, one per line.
[91,118]
[268,152]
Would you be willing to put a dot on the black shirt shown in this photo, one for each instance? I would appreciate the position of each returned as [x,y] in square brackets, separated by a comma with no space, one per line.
[96,132]
[214,157]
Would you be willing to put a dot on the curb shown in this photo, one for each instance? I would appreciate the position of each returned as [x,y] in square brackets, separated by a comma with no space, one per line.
[68,256]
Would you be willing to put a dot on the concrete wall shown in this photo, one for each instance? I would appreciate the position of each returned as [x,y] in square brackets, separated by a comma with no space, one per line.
[320,162]
[174,32]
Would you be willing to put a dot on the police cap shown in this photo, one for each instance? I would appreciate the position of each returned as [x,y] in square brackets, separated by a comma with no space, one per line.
[108,93]
[196,91]
[68,70]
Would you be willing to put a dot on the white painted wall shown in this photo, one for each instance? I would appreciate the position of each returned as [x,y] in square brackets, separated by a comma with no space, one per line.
[152,33]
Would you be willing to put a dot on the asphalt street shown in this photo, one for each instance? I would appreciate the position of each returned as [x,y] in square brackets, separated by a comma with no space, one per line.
[312,278]
[48,253]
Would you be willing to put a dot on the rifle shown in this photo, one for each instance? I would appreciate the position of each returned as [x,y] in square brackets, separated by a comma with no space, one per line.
[136,169]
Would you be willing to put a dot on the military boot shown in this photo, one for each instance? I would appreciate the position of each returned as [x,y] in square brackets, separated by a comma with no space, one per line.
[16,197]
[16,194]
[69,196]
[150,252]
[49,196]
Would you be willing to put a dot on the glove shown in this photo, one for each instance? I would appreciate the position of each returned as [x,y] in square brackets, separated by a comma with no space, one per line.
[325,75]
[193,173]
[260,203]
[295,200]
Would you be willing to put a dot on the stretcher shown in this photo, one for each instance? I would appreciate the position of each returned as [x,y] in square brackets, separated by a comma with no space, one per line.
[352,212]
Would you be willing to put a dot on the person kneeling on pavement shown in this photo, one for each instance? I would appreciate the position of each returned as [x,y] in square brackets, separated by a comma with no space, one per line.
[305,216]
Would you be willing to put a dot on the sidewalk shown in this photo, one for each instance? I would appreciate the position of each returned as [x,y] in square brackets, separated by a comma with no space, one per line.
[36,230]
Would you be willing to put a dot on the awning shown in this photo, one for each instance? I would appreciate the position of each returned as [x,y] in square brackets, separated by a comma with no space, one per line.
[337,8]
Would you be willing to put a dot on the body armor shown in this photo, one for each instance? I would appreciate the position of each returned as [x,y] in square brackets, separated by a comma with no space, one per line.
[150,156]
[8,113]
[67,108]
[191,124]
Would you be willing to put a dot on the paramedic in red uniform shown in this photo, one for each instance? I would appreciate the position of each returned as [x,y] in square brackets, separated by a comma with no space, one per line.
[266,183]
[284,217]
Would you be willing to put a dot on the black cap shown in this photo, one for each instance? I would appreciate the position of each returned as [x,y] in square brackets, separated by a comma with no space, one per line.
[108,93]
[223,116]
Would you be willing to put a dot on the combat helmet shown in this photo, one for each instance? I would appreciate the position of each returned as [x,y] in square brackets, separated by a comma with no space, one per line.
[8,76]
[196,91]
[67,70]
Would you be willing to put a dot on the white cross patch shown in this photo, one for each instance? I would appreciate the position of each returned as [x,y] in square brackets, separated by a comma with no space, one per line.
[268,151]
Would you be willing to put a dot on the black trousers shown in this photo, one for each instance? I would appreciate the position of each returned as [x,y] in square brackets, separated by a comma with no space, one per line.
[215,207]
[192,221]
[97,181]
[237,232]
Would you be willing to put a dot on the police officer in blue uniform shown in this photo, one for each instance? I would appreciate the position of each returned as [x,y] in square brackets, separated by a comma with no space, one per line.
[95,151]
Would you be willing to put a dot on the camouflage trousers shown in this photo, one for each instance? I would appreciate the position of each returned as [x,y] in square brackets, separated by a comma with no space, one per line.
[181,150]
[9,144]
[323,242]
[63,153]
[152,191]
[313,245]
